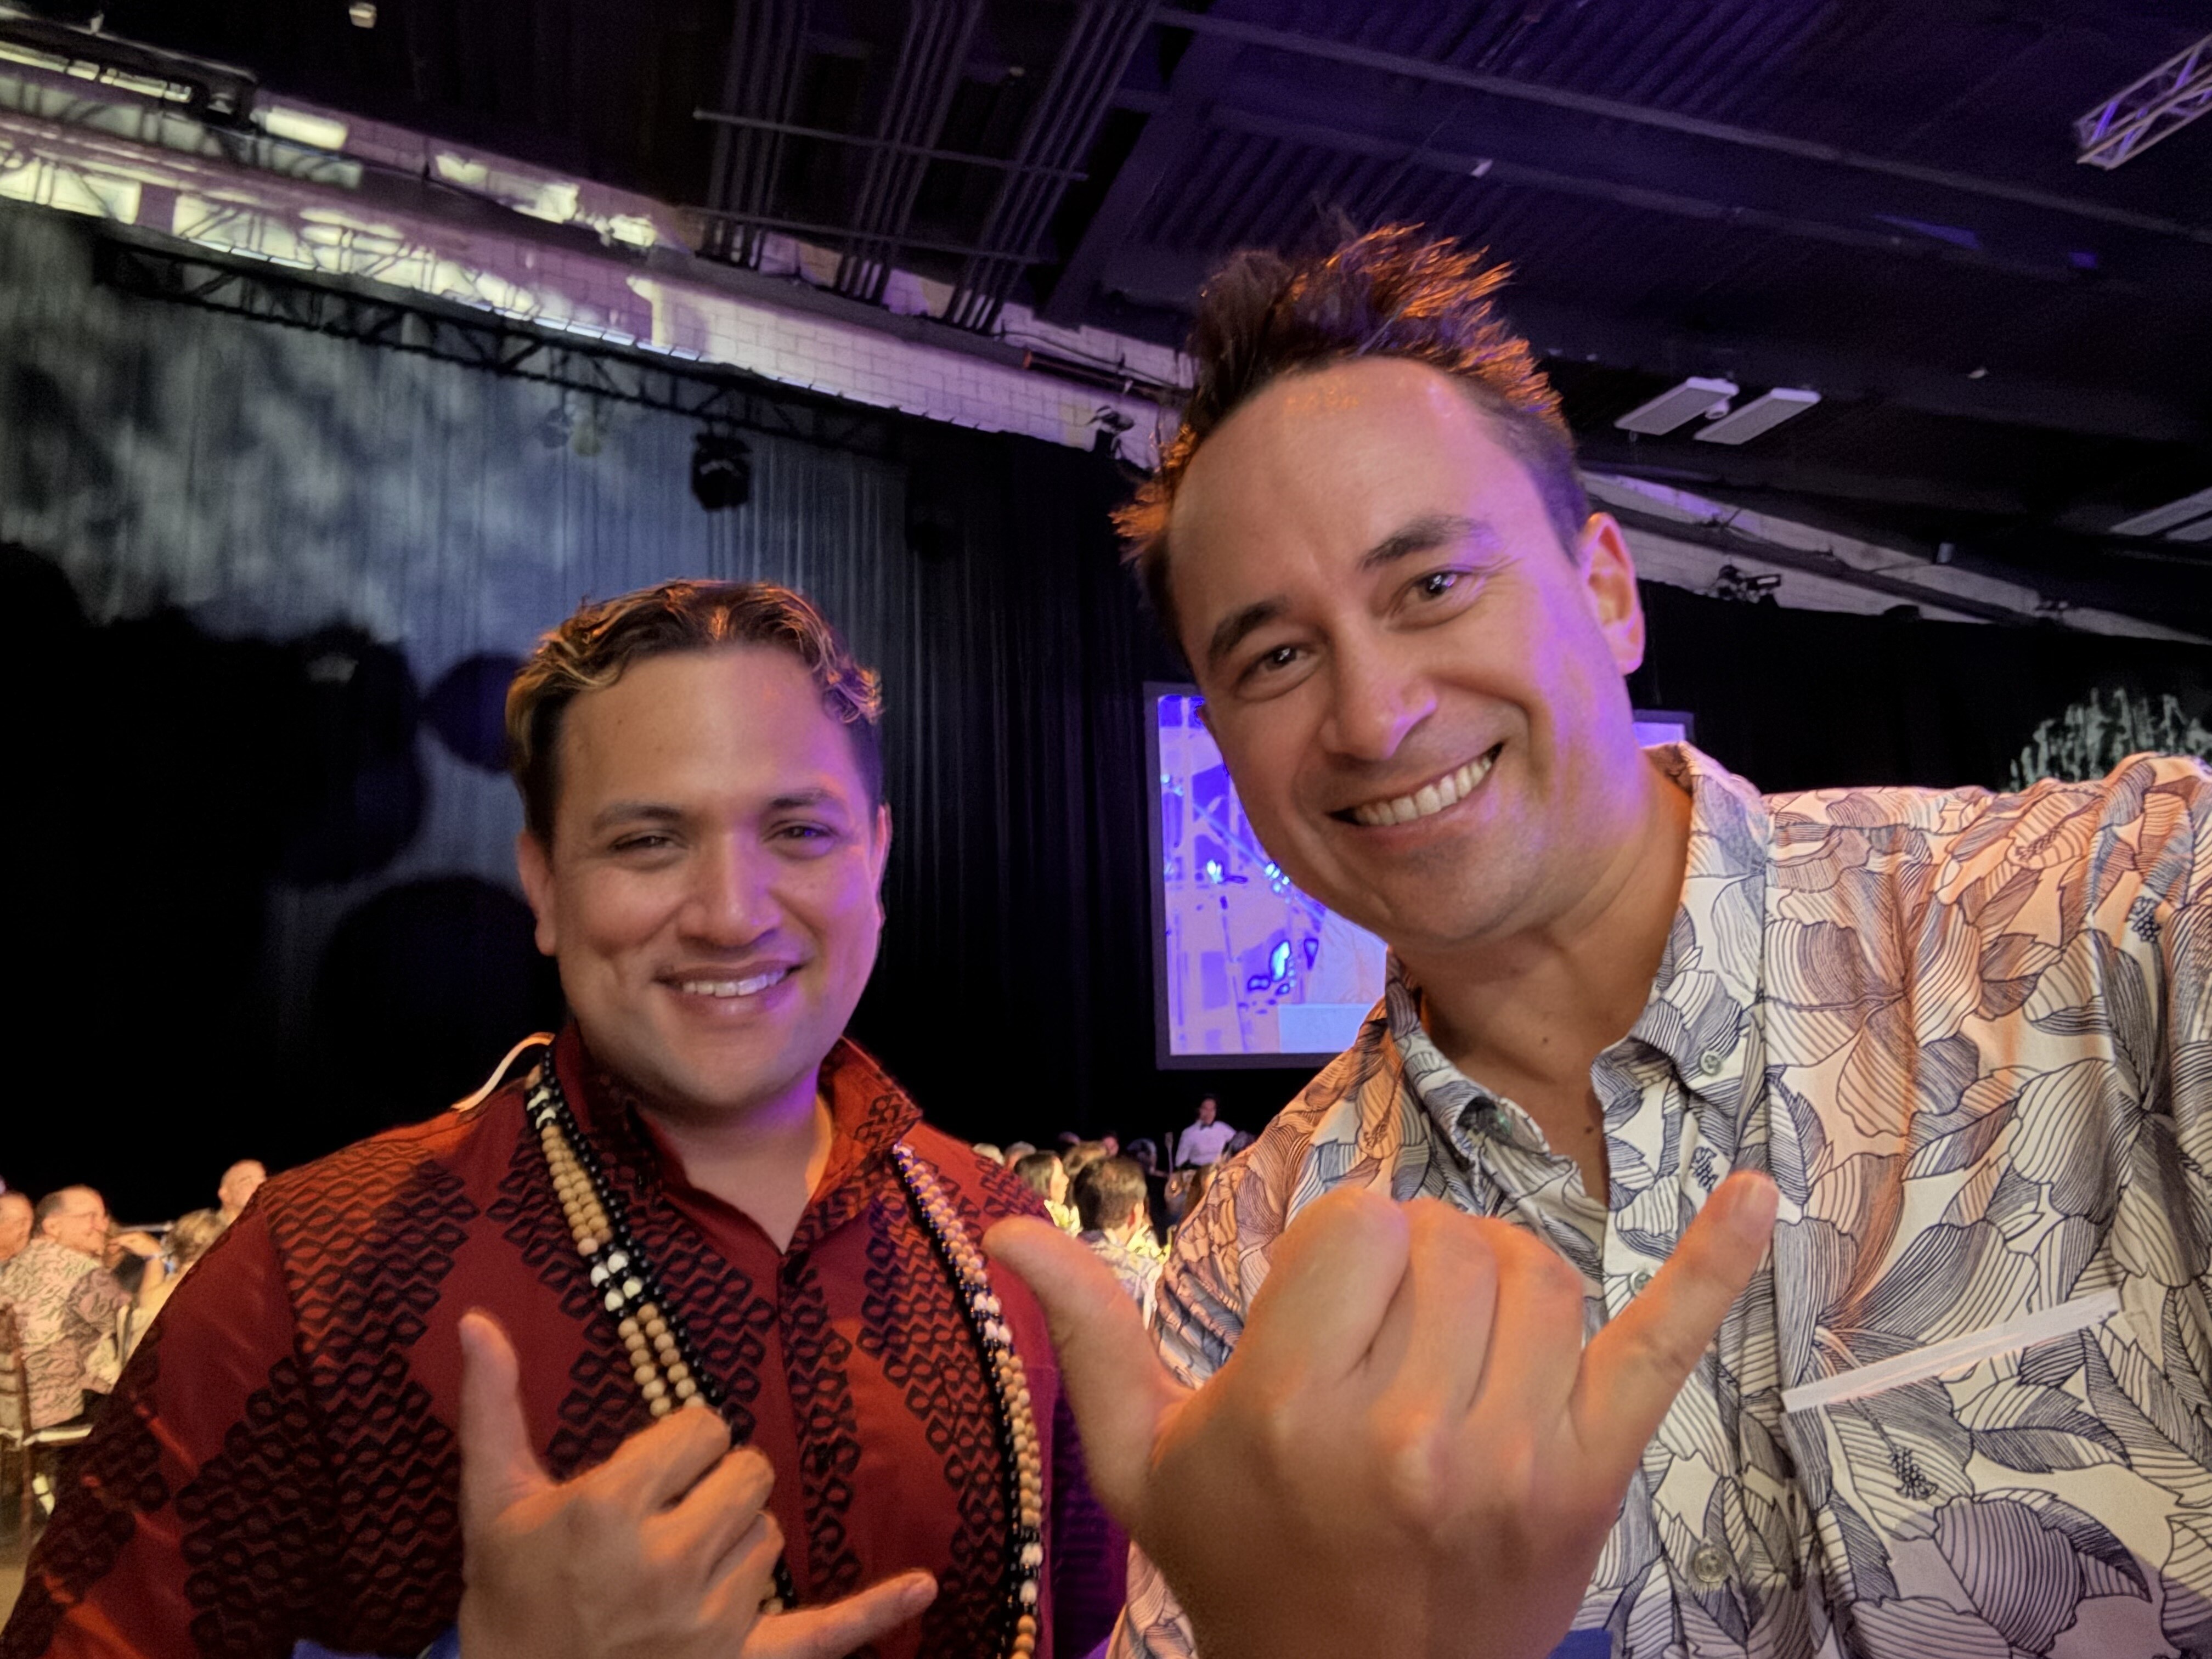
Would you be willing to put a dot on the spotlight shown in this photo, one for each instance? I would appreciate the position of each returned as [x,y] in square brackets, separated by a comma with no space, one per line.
[363,13]
[721,471]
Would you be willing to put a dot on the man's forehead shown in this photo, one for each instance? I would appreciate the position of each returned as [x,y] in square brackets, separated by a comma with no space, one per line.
[674,714]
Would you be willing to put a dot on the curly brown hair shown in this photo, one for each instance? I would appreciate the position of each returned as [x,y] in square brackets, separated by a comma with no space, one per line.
[1390,293]
[597,646]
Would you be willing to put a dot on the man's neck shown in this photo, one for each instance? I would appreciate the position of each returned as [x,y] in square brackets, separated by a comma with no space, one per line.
[1527,1016]
[764,1160]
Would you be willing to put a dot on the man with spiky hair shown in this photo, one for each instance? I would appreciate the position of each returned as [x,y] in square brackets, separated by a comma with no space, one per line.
[484,1374]
[1962,1043]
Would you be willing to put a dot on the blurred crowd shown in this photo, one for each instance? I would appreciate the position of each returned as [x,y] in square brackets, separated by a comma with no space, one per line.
[78,1291]
[1125,1202]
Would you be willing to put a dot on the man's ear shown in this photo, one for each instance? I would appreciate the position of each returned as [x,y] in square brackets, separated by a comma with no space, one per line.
[533,862]
[1608,579]
[879,852]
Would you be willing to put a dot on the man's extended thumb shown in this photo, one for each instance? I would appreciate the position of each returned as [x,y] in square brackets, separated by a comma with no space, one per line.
[498,1466]
[1116,1383]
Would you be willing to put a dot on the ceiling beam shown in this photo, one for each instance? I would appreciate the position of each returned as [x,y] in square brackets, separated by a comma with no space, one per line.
[1693,466]
[1167,139]
[1169,279]
[1543,150]
[1233,30]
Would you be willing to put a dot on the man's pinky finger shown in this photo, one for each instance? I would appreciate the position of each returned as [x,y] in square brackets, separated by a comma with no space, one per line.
[833,1631]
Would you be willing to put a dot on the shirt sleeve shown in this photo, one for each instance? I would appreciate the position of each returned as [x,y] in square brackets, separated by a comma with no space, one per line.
[211,1438]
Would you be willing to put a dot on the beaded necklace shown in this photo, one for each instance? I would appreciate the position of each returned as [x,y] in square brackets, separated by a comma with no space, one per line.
[671,1376]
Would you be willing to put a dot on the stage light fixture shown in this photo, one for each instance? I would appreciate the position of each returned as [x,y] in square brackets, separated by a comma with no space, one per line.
[1762,414]
[2157,107]
[721,471]
[2168,519]
[363,13]
[1677,406]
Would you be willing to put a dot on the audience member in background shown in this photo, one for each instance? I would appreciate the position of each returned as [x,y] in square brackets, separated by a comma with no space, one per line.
[1067,1141]
[240,1182]
[15,1212]
[984,1150]
[1046,1177]
[1017,1150]
[68,1303]
[1080,1157]
[188,1239]
[1112,1143]
[1207,1140]
[1187,1191]
[1145,1155]
[1110,1197]
[691,1198]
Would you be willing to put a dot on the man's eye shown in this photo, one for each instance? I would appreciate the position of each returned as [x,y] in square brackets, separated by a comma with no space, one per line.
[646,843]
[1438,583]
[1281,657]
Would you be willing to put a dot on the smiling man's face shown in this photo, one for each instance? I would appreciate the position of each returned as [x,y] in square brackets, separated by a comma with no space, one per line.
[1418,689]
[711,888]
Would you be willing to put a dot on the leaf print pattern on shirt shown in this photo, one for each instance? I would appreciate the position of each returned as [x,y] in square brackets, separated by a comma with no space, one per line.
[1970,1036]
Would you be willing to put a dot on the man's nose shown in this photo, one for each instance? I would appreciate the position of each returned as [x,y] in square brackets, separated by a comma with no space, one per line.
[732,902]
[1376,700]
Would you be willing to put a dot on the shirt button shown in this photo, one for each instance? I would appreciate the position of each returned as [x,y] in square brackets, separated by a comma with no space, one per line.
[1642,1277]
[1708,1566]
[1710,1064]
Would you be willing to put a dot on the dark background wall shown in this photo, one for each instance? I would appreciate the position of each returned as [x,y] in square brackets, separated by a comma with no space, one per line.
[264,589]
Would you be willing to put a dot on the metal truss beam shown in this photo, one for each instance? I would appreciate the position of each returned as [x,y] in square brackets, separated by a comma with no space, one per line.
[2157,107]
[353,311]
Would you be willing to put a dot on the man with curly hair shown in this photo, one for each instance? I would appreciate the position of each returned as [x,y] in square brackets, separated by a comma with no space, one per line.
[482,1377]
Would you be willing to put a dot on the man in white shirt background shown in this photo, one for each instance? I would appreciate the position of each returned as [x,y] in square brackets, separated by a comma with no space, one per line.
[1205,1141]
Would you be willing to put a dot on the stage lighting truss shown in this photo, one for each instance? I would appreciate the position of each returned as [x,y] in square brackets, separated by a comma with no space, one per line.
[2163,102]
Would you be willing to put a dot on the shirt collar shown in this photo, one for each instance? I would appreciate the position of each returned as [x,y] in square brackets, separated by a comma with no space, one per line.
[1699,1008]
[868,1112]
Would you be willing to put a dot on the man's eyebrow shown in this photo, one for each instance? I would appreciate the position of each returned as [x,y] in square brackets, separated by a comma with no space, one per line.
[634,812]
[793,800]
[1234,627]
[1425,534]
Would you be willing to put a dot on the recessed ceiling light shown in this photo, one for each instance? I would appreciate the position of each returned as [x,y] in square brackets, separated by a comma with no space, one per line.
[1677,406]
[1761,414]
[363,13]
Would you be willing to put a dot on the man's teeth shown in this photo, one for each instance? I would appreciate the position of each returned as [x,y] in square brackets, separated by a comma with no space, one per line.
[734,987]
[1429,799]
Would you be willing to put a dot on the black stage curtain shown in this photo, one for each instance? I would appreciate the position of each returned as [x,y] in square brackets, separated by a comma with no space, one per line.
[265,588]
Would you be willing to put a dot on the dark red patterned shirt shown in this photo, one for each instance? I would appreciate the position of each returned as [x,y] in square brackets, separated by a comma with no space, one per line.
[280,1460]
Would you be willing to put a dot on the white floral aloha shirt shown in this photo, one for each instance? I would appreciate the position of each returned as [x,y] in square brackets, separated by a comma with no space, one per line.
[1966,1407]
